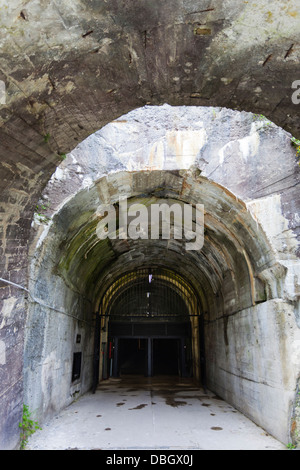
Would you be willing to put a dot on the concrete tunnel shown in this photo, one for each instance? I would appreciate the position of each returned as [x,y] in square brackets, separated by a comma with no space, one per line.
[70,70]
[225,314]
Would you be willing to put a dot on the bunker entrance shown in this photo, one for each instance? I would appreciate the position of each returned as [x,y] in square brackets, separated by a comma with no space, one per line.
[146,326]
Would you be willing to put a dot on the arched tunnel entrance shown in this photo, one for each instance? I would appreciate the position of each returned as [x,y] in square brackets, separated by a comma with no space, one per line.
[146,326]
[223,314]
[70,68]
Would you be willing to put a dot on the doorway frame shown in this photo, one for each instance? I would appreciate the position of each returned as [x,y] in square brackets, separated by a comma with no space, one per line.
[149,372]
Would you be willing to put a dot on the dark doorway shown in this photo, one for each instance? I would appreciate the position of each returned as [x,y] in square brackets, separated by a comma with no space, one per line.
[149,356]
[133,356]
[166,356]
[146,324]
[76,366]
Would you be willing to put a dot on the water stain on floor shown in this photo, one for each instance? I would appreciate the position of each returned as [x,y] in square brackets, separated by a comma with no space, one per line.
[175,403]
[187,428]
[139,407]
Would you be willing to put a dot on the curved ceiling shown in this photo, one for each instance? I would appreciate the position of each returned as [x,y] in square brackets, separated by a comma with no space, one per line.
[230,266]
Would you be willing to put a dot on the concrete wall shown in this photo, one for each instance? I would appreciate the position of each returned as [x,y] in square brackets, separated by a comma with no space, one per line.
[253,363]
[49,347]
[56,315]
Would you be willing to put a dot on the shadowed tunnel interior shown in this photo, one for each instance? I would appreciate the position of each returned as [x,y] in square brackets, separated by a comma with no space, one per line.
[133,357]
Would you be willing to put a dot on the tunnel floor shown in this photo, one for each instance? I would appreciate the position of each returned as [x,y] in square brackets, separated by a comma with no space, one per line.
[140,413]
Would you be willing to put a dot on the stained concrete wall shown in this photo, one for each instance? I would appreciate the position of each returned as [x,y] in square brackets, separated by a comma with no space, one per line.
[253,363]
[51,337]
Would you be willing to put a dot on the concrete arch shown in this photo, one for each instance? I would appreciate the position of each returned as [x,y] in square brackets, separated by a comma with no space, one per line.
[242,274]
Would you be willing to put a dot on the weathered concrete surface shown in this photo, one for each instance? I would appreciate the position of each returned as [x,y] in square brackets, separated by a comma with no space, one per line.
[253,362]
[70,68]
[246,274]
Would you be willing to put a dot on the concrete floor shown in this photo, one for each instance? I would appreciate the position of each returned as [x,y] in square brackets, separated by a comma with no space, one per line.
[158,413]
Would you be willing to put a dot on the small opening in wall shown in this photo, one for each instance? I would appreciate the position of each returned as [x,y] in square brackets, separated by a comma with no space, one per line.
[76,366]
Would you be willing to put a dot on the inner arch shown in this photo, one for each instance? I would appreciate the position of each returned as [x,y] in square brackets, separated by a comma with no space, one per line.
[238,278]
